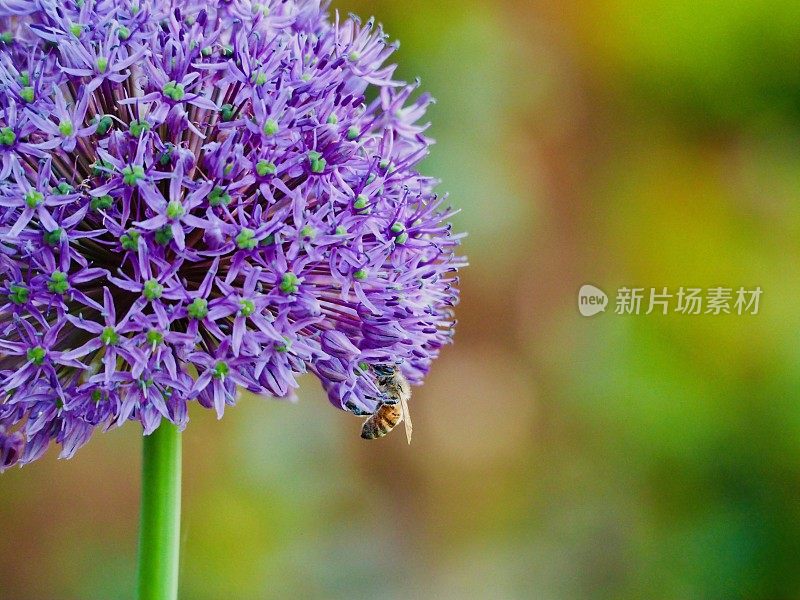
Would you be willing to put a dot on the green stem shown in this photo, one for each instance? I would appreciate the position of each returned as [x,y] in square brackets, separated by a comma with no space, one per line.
[159,527]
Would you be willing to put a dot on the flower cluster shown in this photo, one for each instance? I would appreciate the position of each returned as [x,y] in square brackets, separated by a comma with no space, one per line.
[203,195]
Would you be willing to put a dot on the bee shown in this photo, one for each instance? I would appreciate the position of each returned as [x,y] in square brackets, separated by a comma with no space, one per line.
[393,407]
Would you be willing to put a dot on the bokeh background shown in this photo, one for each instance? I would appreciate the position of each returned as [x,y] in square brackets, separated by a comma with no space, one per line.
[614,142]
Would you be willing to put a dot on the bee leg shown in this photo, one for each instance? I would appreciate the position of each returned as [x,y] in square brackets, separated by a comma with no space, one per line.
[387,399]
[359,412]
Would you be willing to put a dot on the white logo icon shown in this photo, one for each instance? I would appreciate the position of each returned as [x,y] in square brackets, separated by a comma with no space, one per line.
[591,300]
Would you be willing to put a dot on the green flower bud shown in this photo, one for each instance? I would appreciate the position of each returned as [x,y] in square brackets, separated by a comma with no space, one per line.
[132,174]
[18,293]
[175,209]
[7,136]
[130,240]
[271,127]
[198,309]
[163,236]
[285,346]
[166,156]
[63,189]
[353,133]
[101,203]
[264,168]
[361,274]
[154,337]
[58,284]
[138,127]
[318,163]
[219,197]
[53,238]
[174,90]
[152,290]
[36,355]
[221,369]
[104,125]
[226,112]
[33,199]
[102,64]
[246,307]
[109,337]
[289,283]
[27,94]
[245,240]
[66,128]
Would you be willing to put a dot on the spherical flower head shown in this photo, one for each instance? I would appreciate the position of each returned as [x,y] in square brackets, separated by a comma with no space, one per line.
[203,196]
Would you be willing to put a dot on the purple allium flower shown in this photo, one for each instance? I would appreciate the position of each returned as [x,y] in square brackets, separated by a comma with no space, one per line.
[200,196]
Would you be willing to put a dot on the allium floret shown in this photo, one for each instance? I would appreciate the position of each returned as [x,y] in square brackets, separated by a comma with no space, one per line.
[199,197]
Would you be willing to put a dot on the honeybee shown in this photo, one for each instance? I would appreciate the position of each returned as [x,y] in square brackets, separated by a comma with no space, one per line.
[393,407]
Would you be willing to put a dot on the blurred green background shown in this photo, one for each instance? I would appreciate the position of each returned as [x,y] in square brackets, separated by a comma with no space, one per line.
[614,142]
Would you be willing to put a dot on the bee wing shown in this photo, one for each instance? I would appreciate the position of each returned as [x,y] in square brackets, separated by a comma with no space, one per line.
[406,418]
